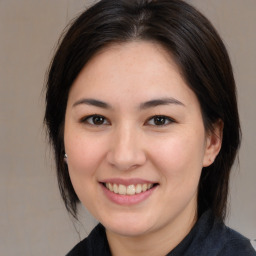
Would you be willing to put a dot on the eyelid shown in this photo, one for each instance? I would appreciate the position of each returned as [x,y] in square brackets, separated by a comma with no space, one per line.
[86,118]
[169,119]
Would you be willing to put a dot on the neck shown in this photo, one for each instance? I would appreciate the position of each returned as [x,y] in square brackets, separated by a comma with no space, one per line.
[157,243]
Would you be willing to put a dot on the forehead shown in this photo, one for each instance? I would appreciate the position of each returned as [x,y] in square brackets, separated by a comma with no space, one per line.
[132,69]
[149,53]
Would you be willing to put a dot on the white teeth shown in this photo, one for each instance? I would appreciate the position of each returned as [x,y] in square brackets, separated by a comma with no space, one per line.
[150,186]
[122,189]
[115,188]
[128,190]
[138,189]
[110,187]
[144,187]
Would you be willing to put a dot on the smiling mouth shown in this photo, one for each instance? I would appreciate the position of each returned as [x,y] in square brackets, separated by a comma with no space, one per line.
[130,189]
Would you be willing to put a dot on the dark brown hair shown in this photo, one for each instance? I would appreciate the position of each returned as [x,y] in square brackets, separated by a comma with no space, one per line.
[198,51]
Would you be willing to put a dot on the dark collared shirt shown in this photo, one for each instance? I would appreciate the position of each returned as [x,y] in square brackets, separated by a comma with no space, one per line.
[209,237]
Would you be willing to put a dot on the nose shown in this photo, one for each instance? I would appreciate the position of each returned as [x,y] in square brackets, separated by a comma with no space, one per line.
[126,150]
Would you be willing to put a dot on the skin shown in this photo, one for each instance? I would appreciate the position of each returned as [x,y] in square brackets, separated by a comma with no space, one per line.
[131,144]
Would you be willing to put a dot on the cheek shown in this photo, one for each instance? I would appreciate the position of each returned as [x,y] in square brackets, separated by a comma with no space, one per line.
[85,153]
[180,158]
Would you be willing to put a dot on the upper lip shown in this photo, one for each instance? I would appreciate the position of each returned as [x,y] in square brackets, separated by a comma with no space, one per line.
[127,182]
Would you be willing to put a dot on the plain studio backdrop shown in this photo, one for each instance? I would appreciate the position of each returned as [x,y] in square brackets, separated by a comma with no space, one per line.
[33,220]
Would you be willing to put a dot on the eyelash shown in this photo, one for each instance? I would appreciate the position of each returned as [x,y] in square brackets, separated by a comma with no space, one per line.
[92,119]
[161,118]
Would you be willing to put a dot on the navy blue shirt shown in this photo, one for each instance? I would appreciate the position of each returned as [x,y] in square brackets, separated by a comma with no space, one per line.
[209,237]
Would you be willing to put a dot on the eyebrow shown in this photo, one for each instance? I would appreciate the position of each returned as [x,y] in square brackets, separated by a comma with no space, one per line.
[142,106]
[92,102]
[159,102]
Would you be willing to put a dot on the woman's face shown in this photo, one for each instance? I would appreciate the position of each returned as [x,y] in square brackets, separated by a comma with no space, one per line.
[132,125]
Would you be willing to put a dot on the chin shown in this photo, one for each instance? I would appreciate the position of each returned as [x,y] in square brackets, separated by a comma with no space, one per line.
[128,231]
[129,228]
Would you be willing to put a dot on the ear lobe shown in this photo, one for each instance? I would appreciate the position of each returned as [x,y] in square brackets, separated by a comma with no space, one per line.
[213,143]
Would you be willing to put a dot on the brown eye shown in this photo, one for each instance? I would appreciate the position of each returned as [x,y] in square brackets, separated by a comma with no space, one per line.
[95,120]
[98,120]
[160,120]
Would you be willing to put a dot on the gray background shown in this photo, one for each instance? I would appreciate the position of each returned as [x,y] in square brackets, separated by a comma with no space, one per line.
[33,220]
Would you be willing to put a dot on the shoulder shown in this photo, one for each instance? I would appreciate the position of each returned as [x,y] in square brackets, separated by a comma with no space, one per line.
[95,244]
[212,237]
[235,244]
[221,240]
[81,248]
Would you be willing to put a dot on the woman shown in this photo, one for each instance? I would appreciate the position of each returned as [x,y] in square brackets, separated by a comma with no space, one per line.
[142,114]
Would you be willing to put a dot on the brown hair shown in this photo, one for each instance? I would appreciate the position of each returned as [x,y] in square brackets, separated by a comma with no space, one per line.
[198,51]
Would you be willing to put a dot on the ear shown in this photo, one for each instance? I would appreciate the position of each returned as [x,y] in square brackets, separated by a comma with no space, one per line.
[213,143]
